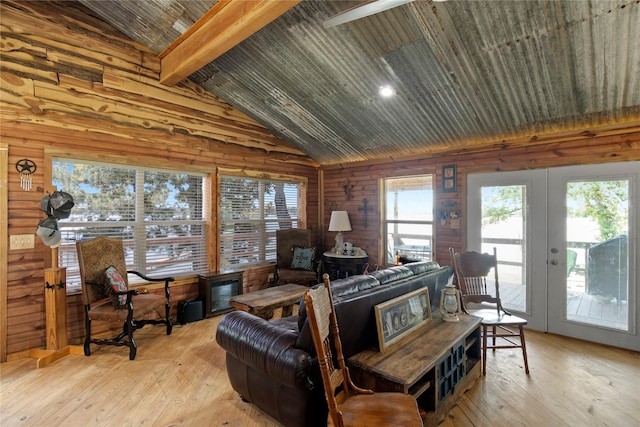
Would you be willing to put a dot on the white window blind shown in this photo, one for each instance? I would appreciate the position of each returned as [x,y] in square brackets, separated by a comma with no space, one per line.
[251,210]
[159,215]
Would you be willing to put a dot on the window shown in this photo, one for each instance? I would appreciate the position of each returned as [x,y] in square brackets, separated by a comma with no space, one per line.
[251,210]
[408,217]
[158,214]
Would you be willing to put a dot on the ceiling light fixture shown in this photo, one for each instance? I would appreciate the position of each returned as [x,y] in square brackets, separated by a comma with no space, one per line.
[386,91]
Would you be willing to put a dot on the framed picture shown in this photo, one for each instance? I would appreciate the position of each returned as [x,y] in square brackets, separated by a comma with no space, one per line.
[449,178]
[401,316]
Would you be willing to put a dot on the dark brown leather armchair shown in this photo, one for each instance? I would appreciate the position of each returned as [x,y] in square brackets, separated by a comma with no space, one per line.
[286,271]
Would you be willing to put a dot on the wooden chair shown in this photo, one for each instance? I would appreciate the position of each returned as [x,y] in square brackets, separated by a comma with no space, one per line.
[504,329]
[350,405]
[101,302]
[286,242]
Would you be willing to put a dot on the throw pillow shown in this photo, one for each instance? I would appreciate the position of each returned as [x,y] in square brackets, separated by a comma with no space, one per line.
[303,258]
[113,283]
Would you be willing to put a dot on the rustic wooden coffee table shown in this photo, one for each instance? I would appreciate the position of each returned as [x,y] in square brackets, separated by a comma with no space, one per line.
[263,302]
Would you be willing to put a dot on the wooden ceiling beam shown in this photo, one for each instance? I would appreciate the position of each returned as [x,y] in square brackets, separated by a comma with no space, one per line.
[227,24]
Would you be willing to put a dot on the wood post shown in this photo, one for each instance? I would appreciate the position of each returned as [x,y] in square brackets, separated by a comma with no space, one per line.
[56,307]
[55,293]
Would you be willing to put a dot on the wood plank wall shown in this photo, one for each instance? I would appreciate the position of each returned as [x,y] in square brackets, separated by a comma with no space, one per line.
[71,84]
[346,186]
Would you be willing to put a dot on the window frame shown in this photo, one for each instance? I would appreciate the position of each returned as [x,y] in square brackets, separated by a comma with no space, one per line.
[387,249]
[142,163]
[258,175]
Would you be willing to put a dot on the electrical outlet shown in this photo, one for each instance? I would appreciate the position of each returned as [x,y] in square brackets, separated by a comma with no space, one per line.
[270,278]
[21,241]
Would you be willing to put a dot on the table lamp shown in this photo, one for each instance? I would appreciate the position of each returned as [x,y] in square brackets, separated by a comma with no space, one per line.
[339,222]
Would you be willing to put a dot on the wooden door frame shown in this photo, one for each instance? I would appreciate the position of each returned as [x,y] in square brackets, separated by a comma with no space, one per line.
[4,263]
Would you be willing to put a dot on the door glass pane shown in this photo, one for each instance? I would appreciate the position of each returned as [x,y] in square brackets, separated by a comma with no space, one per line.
[504,227]
[597,247]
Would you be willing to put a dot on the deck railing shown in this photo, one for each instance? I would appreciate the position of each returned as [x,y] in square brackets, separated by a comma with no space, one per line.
[581,249]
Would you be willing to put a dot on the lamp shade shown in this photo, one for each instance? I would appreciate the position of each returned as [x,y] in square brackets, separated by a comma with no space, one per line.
[339,221]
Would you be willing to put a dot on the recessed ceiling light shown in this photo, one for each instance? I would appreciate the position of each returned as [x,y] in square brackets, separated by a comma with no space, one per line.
[386,91]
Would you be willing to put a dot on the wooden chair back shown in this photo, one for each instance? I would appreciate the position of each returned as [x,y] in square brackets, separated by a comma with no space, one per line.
[94,257]
[324,330]
[472,270]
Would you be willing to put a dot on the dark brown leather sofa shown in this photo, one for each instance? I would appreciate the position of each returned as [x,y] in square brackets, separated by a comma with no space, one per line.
[272,363]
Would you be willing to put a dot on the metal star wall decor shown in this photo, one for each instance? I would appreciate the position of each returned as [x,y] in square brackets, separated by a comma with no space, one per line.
[26,168]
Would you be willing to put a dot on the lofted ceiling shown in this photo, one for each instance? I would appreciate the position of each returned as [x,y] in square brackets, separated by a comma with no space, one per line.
[466,72]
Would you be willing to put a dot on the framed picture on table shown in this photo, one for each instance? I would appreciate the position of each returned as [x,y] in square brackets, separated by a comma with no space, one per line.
[449,178]
[401,316]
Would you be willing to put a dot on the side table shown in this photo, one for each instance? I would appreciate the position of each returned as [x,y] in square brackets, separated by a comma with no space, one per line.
[341,266]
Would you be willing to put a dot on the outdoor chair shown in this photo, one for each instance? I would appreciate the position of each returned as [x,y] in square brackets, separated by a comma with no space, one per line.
[501,327]
[348,404]
[106,295]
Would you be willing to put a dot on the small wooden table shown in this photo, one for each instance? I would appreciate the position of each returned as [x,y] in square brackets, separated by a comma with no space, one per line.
[262,303]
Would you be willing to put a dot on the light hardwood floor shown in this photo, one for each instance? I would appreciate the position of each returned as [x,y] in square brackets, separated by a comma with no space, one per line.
[180,380]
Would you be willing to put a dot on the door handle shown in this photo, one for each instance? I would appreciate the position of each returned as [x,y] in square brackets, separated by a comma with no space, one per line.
[554,262]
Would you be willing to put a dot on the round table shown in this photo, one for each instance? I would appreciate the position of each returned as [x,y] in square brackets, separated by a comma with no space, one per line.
[341,266]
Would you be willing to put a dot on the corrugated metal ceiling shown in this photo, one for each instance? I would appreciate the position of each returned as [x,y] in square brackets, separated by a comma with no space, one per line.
[465,72]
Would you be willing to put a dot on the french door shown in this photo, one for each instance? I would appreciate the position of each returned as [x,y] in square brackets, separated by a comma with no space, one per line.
[593,284]
[507,211]
[566,240]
